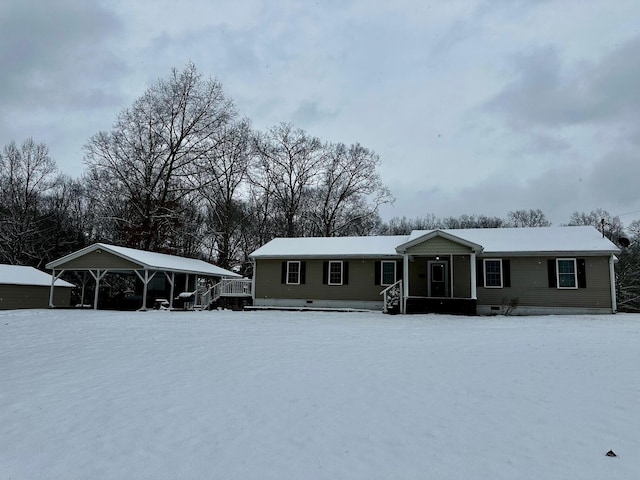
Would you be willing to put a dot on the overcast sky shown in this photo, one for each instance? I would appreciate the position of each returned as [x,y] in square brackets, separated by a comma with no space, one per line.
[476,107]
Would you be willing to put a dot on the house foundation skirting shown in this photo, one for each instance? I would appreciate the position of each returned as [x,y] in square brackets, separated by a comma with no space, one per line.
[318,303]
[456,306]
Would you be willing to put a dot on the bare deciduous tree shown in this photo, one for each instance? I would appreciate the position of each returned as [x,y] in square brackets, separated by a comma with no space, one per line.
[289,162]
[151,150]
[27,175]
[349,193]
[527,218]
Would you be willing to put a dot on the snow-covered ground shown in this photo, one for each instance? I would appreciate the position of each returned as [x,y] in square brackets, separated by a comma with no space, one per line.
[290,395]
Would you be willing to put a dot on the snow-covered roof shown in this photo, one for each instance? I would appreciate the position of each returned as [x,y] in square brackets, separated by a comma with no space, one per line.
[21,275]
[490,240]
[374,246]
[150,261]
[531,240]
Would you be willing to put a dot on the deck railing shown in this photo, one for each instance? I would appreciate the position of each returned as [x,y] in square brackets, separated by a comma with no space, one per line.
[229,287]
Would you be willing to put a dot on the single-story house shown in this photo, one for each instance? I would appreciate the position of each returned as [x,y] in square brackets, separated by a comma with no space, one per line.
[28,287]
[162,276]
[523,271]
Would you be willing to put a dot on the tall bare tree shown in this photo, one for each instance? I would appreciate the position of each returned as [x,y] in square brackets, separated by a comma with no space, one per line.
[151,150]
[222,184]
[288,164]
[27,175]
[349,193]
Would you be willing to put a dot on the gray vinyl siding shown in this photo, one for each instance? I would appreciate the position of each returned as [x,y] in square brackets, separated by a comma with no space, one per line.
[530,284]
[30,296]
[361,284]
[462,276]
[438,246]
[95,260]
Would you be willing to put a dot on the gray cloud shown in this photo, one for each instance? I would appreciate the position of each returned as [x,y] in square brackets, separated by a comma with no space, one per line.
[546,92]
[55,54]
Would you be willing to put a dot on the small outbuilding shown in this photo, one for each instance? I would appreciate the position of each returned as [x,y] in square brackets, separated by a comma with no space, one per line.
[28,287]
[162,276]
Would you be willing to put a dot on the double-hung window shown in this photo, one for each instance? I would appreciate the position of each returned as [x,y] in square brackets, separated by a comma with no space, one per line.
[567,273]
[388,272]
[493,273]
[335,273]
[293,273]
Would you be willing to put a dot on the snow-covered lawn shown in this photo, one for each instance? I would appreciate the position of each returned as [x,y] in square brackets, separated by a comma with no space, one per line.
[290,395]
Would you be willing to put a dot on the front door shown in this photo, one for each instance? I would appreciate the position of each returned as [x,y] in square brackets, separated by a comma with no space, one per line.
[437,279]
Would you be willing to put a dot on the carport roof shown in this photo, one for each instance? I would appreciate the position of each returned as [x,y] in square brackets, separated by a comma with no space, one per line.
[148,261]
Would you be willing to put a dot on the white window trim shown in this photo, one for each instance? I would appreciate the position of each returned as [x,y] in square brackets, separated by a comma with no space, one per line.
[575,273]
[289,263]
[484,265]
[393,262]
[341,272]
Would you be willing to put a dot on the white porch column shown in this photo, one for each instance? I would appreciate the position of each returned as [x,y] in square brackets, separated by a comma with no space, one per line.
[474,286]
[405,283]
[612,277]
[253,281]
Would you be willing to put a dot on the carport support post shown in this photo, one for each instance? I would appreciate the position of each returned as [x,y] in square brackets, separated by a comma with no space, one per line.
[54,277]
[172,282]
[97,276]
[53,281]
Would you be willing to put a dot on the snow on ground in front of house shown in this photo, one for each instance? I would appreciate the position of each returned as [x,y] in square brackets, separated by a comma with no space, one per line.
[293,395]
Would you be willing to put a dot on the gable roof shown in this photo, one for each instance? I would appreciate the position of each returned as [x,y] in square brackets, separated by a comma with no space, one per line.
[507,241]
[334,247]
[429,234]
[578,239]
[21,275]
[150,261]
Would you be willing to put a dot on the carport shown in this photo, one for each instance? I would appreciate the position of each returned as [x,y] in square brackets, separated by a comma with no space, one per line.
[99,259]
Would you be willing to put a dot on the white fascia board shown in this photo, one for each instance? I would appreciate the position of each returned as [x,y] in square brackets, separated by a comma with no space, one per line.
[438,233]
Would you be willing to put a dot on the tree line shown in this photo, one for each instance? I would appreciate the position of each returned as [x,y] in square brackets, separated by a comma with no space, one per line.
[181,172]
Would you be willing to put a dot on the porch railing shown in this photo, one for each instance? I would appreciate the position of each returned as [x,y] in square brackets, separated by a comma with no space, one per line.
[392,298]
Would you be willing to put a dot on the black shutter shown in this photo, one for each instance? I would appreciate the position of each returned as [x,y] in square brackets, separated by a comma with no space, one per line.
[551,273]
[506,273]
[399,270]
[582,273]
[325,273]
[345,273]
[303,272]
[376,275]
[479,272]
[283,273]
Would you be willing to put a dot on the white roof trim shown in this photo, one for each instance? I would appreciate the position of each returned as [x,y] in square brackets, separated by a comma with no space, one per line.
[438,233]
[148,261]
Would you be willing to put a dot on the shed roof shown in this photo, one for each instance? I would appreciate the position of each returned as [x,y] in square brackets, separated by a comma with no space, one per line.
[538,240]
[21,275]
[149,261]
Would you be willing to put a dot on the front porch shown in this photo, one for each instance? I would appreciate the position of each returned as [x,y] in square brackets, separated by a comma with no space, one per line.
[439,275]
